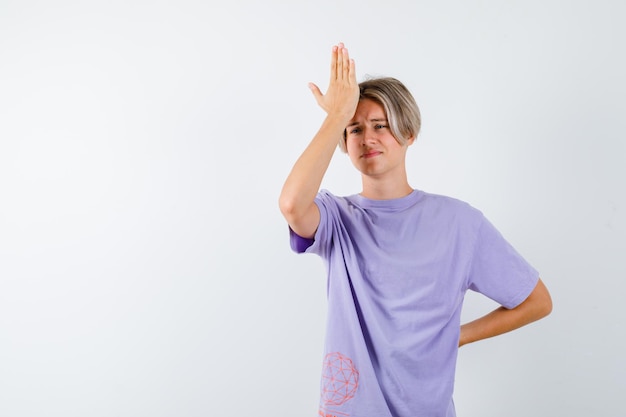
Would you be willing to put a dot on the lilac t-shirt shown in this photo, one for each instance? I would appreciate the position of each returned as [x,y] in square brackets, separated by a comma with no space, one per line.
[397,274]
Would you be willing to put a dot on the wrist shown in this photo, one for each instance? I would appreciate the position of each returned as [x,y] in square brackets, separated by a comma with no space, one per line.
[338,119]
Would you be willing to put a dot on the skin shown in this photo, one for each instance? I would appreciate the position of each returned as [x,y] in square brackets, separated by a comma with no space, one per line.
[340,102]
[536,306]
[376,153]
[380,159]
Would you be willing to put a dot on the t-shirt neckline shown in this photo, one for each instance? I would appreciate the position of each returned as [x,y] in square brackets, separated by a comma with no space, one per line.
[391,204]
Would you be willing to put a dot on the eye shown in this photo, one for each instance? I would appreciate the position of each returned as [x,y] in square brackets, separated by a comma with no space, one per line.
[379,126]
[355,130]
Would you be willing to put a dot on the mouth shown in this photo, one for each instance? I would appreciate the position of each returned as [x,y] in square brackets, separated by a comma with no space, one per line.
[370,154]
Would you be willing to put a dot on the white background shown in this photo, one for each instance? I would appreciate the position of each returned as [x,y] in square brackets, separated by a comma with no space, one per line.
[144,265]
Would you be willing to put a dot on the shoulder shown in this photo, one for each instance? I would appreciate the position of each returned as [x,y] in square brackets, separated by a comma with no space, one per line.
[330,200]
[449,205]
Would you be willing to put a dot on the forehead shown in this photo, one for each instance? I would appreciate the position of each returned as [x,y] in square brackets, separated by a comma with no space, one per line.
[368,109]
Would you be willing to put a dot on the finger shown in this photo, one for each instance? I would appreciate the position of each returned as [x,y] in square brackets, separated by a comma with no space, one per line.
[316,92]
[352,71]
[340,66]
[333,63]
[345,64]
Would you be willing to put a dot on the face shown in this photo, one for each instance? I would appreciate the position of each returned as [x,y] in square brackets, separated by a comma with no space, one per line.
[372,148]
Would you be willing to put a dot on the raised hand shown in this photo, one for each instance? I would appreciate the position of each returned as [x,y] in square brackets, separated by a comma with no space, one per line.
[342,96]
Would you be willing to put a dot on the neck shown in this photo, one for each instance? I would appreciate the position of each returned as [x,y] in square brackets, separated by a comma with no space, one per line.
[377,189]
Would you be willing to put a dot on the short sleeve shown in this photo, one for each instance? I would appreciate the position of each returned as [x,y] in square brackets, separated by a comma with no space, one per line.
[498,271]
[298,243]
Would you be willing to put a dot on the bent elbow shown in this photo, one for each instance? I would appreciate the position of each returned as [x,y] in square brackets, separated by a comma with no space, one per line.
[544,300]
[303,219]
[291,209]
[287,207]
[547,306]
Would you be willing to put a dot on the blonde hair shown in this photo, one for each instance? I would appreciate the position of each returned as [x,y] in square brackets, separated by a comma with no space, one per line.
[401,110]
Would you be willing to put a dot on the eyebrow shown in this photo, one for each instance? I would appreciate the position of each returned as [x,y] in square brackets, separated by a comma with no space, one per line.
[371,120]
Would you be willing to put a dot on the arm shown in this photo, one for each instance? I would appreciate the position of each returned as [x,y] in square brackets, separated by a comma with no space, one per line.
[502,320]
[298,194]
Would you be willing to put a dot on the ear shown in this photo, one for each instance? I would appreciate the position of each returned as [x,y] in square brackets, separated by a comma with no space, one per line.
[410,141]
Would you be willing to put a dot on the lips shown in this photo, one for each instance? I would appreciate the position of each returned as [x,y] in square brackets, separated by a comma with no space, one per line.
[370,154]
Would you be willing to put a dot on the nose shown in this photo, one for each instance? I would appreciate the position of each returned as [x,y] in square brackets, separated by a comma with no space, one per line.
[370,135]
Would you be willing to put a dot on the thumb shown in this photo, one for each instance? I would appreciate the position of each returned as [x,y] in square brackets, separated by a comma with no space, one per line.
[316,91]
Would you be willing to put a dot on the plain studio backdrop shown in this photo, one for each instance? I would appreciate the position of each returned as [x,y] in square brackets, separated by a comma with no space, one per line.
[145,268]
